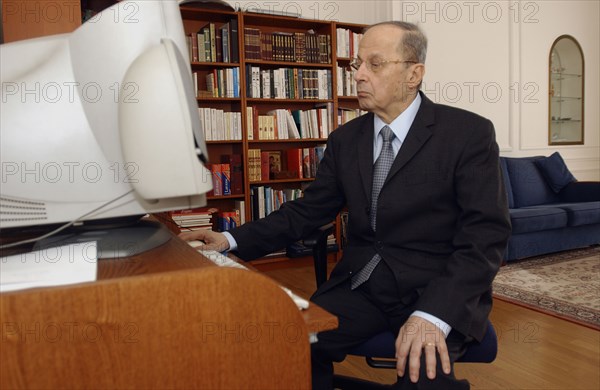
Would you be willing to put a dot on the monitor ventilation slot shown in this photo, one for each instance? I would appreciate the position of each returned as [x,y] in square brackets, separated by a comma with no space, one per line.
[16,210]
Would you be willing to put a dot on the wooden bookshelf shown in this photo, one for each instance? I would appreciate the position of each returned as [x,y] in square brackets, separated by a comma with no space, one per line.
[269,43]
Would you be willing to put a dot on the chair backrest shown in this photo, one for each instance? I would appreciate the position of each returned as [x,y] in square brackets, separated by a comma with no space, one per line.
[208,328]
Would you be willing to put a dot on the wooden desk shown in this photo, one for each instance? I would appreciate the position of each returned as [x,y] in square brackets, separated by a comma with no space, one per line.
[168,318]
[177,255]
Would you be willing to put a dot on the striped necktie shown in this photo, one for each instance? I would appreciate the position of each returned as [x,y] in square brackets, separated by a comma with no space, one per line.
[380,172]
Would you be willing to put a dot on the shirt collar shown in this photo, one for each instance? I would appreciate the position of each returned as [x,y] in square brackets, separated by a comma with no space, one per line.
[402,123]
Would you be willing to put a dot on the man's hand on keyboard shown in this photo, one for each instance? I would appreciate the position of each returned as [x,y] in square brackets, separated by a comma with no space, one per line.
[212,240]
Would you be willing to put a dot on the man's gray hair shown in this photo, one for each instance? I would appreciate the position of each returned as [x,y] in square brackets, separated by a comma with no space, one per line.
[413,46]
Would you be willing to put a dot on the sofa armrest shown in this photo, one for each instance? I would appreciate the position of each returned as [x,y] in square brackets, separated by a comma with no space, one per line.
[581,191]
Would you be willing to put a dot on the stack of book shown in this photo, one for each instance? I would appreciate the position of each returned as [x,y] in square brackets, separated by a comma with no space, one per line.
[210,218]
[194,219]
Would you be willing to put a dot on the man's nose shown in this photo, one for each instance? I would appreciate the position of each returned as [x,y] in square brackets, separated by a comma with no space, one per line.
[360,73]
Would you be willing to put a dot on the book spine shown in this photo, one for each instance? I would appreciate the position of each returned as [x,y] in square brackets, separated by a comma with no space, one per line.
[240,208]
[254,165]
[206,34]
[225,42]
[294,161]
[226,178]
[234,161]
[313,162]
[264,166]
[194,39]
[218,45]
[217,180]
[306,173]
[249,123]
[235,45]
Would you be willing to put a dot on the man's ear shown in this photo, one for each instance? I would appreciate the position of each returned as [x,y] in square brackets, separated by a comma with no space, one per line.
[416,75]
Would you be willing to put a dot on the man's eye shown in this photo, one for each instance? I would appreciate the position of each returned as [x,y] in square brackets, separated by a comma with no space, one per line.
[375,65]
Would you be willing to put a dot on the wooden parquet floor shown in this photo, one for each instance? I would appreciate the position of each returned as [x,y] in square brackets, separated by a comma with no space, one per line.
[536,350]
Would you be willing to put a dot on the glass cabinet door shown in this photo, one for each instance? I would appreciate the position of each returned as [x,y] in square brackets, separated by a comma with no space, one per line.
[566,92]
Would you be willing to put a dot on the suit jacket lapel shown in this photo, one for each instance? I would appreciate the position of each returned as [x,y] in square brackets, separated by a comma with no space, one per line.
[365,153]
[417,136]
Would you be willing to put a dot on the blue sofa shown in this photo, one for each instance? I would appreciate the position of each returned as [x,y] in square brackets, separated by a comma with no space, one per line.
[550,211]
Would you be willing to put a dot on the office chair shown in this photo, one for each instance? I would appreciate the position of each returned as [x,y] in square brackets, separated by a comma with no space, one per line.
[379,351]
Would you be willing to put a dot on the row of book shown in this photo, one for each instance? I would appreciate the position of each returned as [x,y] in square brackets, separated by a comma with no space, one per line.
[346,85]
[347,42]
[214,43]
[265,200]
[287,124]
[219,125]
[220,83]
[293,163]
[227,176]
[288,83]
[278,124]
[285,46]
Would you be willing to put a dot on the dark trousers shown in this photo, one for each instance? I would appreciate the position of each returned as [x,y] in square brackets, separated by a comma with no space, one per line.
[372,308]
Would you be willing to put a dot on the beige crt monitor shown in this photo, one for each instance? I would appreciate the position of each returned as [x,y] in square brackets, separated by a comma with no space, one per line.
[101,123]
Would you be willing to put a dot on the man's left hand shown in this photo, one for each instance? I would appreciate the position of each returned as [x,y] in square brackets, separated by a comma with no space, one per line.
[415,336]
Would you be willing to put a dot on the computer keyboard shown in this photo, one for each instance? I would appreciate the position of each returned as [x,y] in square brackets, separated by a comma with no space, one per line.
[223,261]
[220,259]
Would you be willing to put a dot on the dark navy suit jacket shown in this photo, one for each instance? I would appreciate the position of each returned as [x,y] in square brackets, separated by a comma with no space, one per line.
[442,216]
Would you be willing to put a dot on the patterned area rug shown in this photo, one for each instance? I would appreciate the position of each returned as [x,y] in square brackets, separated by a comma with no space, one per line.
[566,285]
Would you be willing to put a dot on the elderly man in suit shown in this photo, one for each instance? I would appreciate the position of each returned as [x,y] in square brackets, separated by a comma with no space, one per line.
[428,219]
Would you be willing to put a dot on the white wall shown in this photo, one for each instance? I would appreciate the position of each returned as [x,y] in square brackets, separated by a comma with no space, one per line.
[491,57]
[468,62]
[580,20]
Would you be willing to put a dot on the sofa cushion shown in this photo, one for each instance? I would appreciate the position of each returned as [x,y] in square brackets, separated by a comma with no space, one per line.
[586,213]
[533,219]
[555,171]
[581,191]
[529,187]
